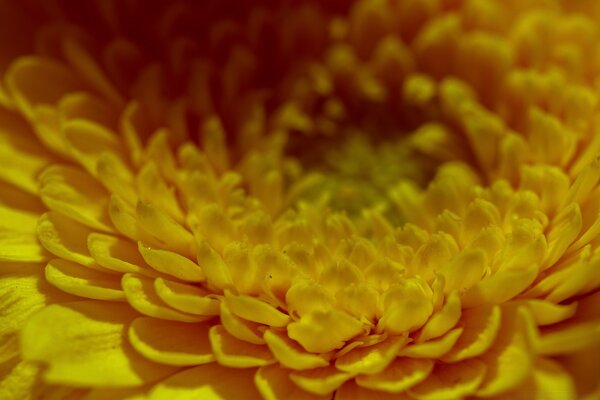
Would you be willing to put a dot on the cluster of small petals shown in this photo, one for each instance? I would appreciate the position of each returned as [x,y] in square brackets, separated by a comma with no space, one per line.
[311,200]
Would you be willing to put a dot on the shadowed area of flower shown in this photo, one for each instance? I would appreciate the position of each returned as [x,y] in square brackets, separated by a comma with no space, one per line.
[377,199]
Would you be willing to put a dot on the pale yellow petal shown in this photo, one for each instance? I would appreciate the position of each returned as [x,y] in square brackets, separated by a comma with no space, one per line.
[117,254]
[19,380]
[400,375]
[65,238]
[75,194]
[255,310]
[451,381]
[171,342]
[480,328]
[443,320]
[235,353]
[323,331]
[81,281]
[141,295]
[84,343]
[162,227]
[320,381]
[351,391]
[290,354]
[240,328]
[273,383]
[171,263]
[187,298]
[434,348]
[210,382]
[371,359]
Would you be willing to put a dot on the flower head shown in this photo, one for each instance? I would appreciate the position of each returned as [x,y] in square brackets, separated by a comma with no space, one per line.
[309,200]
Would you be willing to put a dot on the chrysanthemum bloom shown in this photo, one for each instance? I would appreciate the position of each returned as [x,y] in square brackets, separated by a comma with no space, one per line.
[389,199]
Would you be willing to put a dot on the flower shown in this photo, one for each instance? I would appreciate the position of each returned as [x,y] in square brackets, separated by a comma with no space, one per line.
[388,199]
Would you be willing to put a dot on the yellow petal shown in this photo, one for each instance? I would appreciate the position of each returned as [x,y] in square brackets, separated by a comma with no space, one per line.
[320,381]
[65,238]
[187,298]
[210,381]
[83,282]
[171,342]
[152,188]
[255,310]
[443,320]
[217,273]
[451,381]
[570,337]
[500,287]
[117,254]
[23,291]
[84,343]
[464,271]
[547,313]
[371,359]
[510,360]
[116,177]
[75,194]
[565,228]
[171,263]
[351,391]
[19,380]
[407,306]
[480,327]
[273,383]
[235,353]
[242,329]
[552,381]
[35,80]
[290,354]
[141,295]
[323,331]
[434,348]
[162,227]
[400,375]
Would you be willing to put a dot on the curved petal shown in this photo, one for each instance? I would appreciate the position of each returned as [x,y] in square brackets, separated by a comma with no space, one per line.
[449,381]
[171,342]
[210,381]
[83,343]
[235,353]
[400,375]
[273,383]
[290,354]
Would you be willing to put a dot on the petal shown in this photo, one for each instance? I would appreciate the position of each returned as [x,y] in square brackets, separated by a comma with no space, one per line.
[18,237]
[552,381]
[75,194]
[162,227]
[22,155]
[84,343]
[434,348]
[255,310]
[23,291]
[19,380]
[565,228]
[83,282]
[320,381]
[547,313]
[153,188]
[210,381]
[240,328]
[351,391]
[141,295]
[323,331]
[171,263]
[450,381]
[215,269]
[290,354]
[570,338]
[65,238]
[371,359]
[235,353]
[510,360]
[171,342]
[500,287]
[400,375]
[480,326]
[117,254]
[187,298]
[273,383]
[443,320]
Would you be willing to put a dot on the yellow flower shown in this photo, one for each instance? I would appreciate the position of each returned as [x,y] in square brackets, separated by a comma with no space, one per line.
[379,199]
